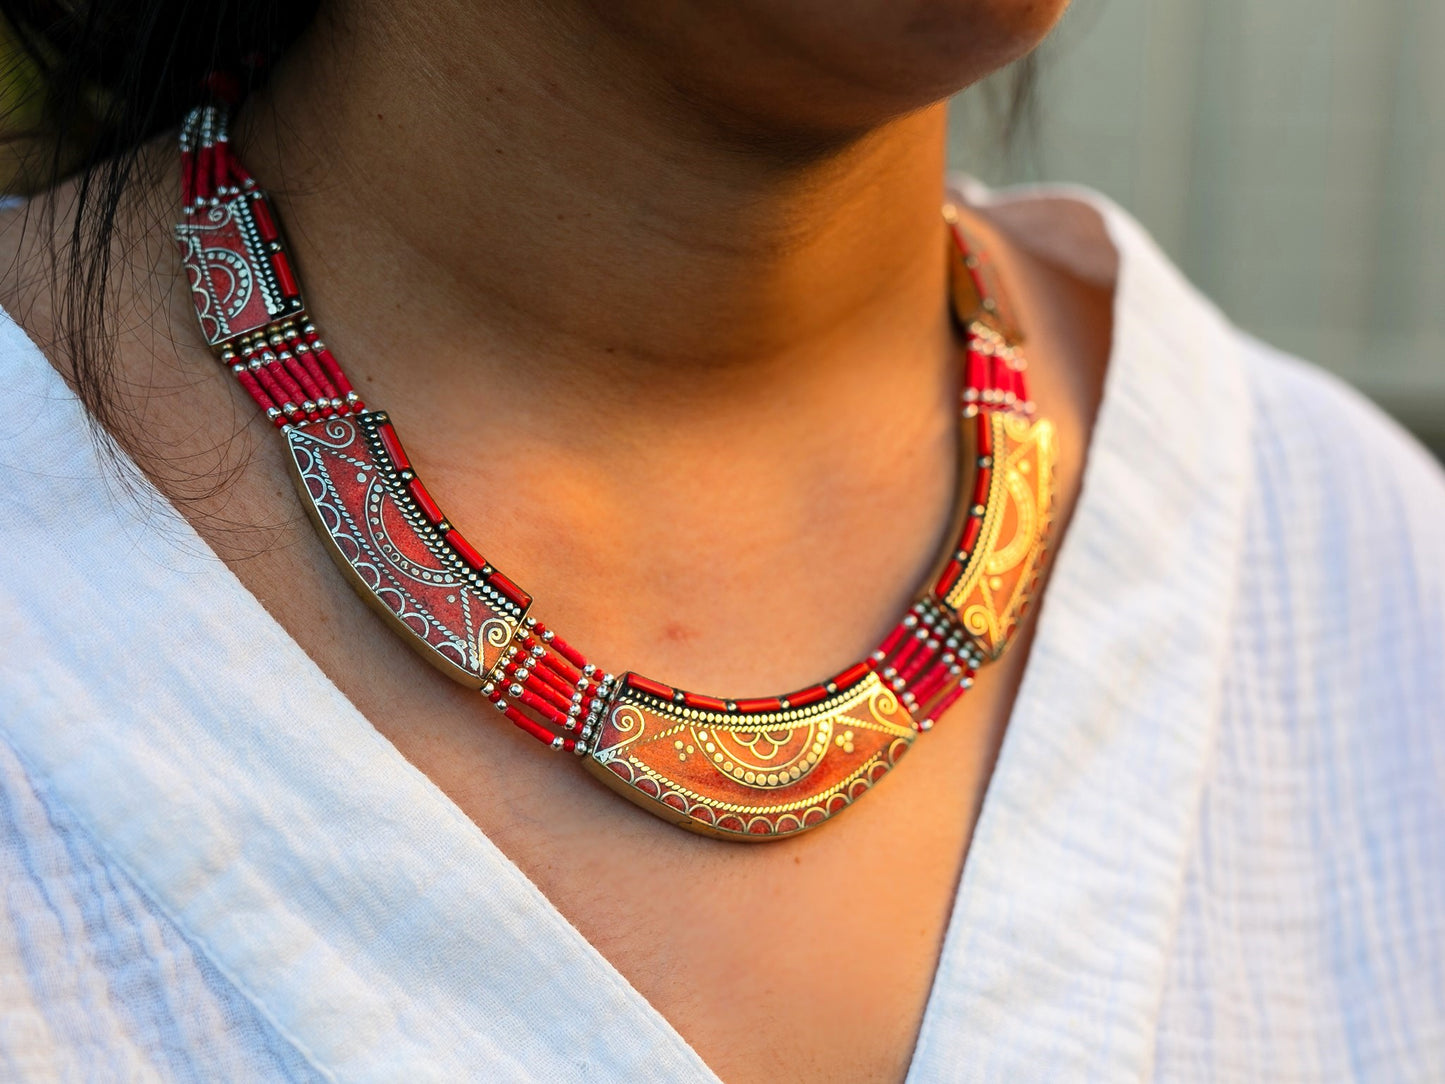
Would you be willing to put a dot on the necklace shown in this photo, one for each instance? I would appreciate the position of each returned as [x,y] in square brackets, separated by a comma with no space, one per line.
[751,769]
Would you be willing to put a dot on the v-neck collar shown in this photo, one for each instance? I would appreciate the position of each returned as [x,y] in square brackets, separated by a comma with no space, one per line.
[1056,954]
[386,937]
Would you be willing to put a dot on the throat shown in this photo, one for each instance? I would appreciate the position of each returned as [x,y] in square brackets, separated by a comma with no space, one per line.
[562,252]
[701,395]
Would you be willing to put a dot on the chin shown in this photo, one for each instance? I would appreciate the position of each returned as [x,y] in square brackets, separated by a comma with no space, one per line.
[830,64]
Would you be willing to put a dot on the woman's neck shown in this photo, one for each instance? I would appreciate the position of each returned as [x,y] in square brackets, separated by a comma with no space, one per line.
[693,383]
[484,185]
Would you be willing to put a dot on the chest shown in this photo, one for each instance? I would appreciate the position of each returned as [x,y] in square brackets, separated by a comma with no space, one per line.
[811,958]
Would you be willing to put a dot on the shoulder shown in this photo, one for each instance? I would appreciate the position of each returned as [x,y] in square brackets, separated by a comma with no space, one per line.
[1309,932]
[1346,525]
[1323,446]
[1339,623]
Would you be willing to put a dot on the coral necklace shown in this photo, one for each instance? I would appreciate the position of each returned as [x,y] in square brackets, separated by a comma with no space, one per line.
[753,769]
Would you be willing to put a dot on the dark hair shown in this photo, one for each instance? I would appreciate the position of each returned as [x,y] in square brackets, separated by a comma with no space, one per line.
[112,74]
[109,76]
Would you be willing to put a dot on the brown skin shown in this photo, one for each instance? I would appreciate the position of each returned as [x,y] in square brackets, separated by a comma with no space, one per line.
[655,292]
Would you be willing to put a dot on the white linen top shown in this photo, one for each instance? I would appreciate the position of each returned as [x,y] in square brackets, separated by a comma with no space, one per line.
[1213,847]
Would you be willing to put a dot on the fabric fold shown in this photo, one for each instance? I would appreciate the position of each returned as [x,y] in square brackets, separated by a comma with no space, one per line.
[1060,939]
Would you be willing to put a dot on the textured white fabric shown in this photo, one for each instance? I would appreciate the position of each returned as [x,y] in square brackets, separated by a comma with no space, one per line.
[1213,847]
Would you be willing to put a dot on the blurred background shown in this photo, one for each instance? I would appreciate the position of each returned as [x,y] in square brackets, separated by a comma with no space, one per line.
[1289,156]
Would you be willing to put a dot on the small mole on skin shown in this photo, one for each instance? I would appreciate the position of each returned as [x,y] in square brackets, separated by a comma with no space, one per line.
[676,633]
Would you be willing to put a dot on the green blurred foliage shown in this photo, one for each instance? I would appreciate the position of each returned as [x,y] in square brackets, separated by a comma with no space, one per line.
[25,141]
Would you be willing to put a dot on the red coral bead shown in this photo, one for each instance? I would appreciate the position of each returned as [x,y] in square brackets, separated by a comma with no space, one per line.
[647,685]
[285,280]
[980,486]
[465,550]
[971,531]
[265,224]
[976,371]
[948,578]
[710,703]
[424,501]
[530,725]
[515,594]
[567,651]
[762,704]
[392,443]
[810,695]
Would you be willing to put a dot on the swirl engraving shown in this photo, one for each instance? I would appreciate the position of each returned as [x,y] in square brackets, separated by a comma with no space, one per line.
[495,632]
[340,431]
[883,706]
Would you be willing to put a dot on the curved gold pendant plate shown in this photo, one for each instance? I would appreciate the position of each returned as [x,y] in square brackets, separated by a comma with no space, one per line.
[738,774]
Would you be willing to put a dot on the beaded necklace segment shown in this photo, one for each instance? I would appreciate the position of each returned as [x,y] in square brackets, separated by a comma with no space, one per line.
[748,769]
